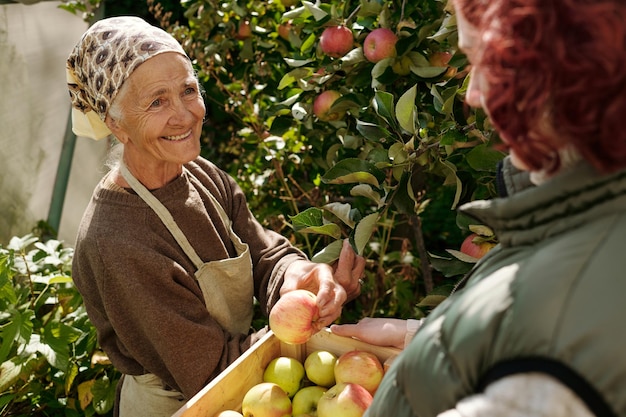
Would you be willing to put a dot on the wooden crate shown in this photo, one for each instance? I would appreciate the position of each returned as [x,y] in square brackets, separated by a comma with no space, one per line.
[227,390]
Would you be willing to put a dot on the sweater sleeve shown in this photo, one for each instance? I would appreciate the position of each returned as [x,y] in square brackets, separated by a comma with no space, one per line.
[522,395]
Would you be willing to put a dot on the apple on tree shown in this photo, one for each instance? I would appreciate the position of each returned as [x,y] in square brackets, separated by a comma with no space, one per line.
[319,367]
[294,316]
[266,399]
[244,30]
[336,41]
[476,245]
[380,44]
[344,400]
[304,403]
[286,372]
[359,367]
[323,103]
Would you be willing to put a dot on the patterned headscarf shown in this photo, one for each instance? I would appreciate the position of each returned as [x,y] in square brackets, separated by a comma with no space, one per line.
[106,55]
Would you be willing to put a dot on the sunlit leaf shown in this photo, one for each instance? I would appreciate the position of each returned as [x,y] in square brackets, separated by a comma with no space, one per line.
[354,170]
[365,190]
[364,230]
[329,229]
[329,254]
[342,211]
[310,217]
[406,110]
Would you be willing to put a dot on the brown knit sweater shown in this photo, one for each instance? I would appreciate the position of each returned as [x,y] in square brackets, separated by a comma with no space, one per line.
[139,287]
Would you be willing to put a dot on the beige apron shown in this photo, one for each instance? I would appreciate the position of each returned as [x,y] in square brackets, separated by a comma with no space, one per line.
[228,290]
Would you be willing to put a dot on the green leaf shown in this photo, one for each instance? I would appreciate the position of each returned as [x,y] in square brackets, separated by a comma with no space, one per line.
[406,110]
[329,229]
[318,14]
[428,72]
[484,158]
[384,106]
[308,218]
[329,254]
[363,231]
[103,391]
[371,131]
[342,211]
[354,170]
[365,190]
[10,372]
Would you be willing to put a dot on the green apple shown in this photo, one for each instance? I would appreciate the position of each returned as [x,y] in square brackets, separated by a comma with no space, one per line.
[229,413]
[266,399]
[320,368]
[304,403]
[288,373]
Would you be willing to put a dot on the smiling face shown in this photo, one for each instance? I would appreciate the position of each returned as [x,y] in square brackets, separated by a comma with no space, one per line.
[160,118]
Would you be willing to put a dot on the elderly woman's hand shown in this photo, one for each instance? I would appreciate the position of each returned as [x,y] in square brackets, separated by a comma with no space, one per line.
[333,286]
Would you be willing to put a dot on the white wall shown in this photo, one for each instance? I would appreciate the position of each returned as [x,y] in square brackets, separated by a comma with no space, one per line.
[35,41]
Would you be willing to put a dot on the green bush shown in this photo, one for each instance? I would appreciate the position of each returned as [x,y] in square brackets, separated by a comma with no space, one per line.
[50,364]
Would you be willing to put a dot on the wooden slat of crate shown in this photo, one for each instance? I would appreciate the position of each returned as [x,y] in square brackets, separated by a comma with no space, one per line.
[227,390]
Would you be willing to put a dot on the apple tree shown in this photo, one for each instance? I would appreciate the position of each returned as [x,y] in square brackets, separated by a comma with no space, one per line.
[347,120]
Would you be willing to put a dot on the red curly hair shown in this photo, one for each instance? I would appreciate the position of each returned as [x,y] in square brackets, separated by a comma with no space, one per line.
[556,74]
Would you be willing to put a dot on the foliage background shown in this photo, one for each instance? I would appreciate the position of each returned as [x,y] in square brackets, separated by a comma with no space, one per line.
[387,174]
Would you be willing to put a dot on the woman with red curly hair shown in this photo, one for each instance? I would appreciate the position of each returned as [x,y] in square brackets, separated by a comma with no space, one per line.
[535,329]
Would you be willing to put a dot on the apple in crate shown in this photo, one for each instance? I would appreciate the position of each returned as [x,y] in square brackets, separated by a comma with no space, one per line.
[305,401]
[319,367]
[266,399]
[344,400]
[293,317]
[359,367]
[229,413]
[288,373]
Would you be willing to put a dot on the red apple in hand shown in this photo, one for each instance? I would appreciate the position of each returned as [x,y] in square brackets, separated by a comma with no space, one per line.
[293,318]
[336,41]
[344,400]
[380,44]
[359,367]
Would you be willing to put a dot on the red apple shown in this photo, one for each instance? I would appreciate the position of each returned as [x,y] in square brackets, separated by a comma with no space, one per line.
[293,318]
[244,31]
[359,367]
[476,246]
[336,41]
[284,29]
[380,44]
[344,400]
[323,103]
[266,400]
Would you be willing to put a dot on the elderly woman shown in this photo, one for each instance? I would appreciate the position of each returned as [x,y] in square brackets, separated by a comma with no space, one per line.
[168,257]
[537,329]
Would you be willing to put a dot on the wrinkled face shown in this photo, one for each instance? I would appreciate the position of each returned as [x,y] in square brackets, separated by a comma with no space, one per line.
[161,115]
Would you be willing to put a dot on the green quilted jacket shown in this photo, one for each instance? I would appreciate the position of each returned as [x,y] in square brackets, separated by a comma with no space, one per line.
[551,297]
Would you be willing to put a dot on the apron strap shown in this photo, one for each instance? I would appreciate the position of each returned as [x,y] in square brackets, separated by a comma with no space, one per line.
[163,214]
